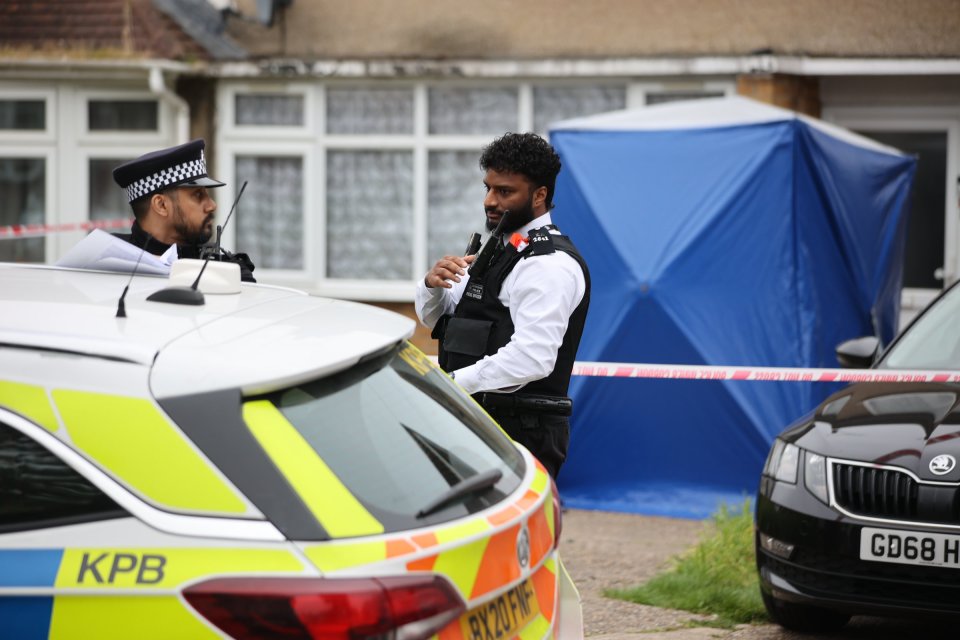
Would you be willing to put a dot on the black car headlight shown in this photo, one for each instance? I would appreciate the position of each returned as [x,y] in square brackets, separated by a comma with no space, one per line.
[782,462]
[783,465]
[815,476]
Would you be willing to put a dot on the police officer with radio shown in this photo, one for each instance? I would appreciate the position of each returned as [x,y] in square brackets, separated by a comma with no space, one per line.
[168,192]
[509,319]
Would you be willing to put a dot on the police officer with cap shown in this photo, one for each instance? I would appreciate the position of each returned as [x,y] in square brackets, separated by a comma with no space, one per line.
[168,192]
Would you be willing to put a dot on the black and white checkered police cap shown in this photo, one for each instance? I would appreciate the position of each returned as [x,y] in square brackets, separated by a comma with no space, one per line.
[180,166]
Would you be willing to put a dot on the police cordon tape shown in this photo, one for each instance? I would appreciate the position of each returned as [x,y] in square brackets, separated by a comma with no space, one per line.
[755,374]
[40,230]
[762,374]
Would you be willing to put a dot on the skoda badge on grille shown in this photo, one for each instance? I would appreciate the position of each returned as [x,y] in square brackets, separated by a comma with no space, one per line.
[943,464]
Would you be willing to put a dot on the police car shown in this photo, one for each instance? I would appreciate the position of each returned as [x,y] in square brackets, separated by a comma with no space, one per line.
[259,463]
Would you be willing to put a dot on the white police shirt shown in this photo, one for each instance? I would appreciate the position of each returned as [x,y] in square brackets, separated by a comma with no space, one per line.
[541,294]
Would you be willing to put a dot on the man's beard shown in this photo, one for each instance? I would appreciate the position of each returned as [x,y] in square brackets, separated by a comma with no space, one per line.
[198,236]
[518,218]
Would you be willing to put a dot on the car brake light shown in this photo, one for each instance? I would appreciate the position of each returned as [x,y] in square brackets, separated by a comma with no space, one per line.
[557,516]
[400,607]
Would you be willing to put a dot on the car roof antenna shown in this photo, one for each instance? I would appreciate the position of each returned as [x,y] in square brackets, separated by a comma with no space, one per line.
[225,223]
[192,295]
[121,307]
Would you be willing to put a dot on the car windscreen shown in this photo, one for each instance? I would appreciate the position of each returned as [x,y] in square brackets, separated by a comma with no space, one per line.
[933,341]
[404,439]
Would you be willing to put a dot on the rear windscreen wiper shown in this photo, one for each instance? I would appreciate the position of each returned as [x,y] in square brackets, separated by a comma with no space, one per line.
[474,484]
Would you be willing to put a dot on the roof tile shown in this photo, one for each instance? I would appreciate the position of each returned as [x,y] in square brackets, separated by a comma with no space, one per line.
[134,27]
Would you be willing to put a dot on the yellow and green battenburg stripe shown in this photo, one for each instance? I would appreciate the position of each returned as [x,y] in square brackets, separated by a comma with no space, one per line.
[333,557]
[536,630]
[330,502]
[81,617]
[30,401]
[135,442]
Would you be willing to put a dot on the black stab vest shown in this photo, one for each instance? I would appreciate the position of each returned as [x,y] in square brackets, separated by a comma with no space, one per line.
[481,324]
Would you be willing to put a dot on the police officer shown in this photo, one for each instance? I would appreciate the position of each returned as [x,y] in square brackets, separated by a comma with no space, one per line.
[168,192]
[508,334]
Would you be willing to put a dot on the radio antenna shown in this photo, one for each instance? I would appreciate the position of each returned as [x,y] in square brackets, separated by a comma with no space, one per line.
[219,233]
[121,307]
[230,213]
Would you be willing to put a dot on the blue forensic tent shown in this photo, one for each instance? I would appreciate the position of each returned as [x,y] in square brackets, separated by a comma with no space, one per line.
[719,232]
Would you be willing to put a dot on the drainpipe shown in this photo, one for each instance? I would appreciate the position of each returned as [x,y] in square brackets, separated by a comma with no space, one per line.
[158,87]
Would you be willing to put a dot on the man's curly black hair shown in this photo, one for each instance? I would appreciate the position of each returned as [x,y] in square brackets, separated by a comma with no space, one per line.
[527,154]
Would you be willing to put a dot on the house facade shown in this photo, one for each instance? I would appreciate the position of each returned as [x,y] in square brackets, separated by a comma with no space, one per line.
[357,125]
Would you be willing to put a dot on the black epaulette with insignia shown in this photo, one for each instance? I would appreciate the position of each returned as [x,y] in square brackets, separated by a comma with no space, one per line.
[540,242]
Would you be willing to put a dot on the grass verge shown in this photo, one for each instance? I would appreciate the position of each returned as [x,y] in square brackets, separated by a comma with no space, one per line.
[718,576]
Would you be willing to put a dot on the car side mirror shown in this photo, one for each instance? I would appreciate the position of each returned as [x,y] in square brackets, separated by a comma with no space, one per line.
[858,353]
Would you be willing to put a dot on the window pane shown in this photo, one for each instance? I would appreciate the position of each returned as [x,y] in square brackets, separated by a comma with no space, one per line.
[552,104]
[107,200]
[264,110]
[933,342]
[22,201]
[38,489]
[455,203]
[269,217]
[660,97]
[369,111]
[459,110]
[25,115]
[122,115]
[369,214]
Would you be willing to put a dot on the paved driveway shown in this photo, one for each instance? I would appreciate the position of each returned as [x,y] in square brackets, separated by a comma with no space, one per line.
[613,550]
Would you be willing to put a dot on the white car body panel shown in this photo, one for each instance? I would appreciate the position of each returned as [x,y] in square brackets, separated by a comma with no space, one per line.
[274,336]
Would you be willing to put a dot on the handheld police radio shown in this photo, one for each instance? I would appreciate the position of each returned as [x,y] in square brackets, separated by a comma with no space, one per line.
[215,252]
[478,270]
[474,245]
[491,248]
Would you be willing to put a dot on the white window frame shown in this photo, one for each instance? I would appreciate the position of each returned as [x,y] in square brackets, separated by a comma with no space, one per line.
[269,141]
[51,215]
[918,119]
[637,91]
[76,145]
[37,143]
[226,172]
[66,144]
[313,142]
[527,105]
[153,139]
[226,102]
[48,134]
[85,155]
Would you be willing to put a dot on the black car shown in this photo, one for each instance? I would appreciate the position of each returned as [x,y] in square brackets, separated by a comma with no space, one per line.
[858,510]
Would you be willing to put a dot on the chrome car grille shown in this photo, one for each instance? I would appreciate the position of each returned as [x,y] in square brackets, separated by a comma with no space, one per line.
[892,494]
[875,492]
